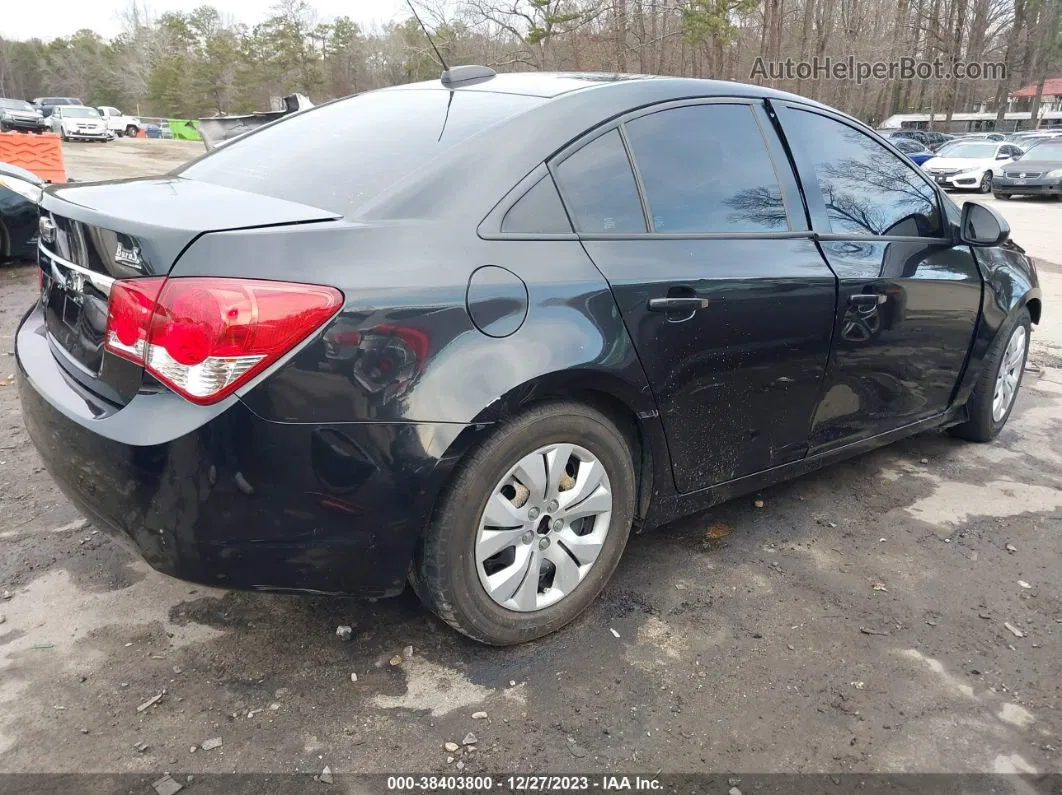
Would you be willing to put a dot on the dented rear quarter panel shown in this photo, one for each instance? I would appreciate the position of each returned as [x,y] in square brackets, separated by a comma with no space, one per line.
[406,302]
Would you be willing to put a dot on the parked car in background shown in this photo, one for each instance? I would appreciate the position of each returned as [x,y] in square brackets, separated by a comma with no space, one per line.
[47,104]
[1038,172]
[118,122]
[983,136]
[970,165]
[21,116]
[1026,140]
[934,140]
[472,338]
[931,139]
[158,131]
[20,194]
[913,149]
[79,123]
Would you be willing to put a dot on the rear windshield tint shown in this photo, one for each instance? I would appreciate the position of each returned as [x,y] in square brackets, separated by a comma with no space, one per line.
[339,156]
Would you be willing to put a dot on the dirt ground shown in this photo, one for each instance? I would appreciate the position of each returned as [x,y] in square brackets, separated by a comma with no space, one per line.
[126,157]
[857,622]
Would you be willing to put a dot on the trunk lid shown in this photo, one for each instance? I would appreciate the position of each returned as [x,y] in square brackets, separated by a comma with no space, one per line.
[94,234]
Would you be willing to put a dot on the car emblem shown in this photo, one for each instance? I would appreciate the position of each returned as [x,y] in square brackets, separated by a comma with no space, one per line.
[46,227]
[1021,175]
[75,287]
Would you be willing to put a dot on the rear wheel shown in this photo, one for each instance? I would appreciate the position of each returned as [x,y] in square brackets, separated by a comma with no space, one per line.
[993,396]
[532,526]
[131,131]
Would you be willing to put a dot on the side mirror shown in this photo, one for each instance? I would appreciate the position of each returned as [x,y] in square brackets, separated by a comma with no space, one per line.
[982,226]
[1003,156]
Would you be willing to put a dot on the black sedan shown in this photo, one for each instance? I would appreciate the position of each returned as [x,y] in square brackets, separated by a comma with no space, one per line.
[1038,172]
[20,190]
[467,333]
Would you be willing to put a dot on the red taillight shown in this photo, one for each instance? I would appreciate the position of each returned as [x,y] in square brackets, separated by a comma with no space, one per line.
[128,315]
[204,337]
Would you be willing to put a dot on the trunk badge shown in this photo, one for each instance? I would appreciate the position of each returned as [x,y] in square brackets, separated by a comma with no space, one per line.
[129,255]
[46,227]
[76,287]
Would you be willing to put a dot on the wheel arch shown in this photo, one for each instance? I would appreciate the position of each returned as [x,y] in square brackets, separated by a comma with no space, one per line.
[631,409]
[1034,307]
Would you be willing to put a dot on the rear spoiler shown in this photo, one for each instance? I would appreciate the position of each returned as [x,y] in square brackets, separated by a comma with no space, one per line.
[219,130]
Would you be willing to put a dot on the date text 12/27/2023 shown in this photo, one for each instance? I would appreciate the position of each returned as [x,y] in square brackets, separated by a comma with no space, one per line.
[523,783]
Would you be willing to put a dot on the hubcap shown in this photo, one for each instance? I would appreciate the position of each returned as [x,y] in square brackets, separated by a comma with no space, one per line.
[1009,374]
[561,496]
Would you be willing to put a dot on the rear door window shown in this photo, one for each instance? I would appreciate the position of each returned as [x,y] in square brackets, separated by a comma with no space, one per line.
[706,169]
[599,189]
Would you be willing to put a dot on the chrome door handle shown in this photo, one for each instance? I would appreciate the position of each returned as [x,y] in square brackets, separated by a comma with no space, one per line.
[678,304]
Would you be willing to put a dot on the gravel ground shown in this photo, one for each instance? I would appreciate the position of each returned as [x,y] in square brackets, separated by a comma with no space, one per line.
[126,157]
[857,622]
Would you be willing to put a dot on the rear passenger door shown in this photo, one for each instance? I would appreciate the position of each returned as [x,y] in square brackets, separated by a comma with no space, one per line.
[692,213]
[908,299]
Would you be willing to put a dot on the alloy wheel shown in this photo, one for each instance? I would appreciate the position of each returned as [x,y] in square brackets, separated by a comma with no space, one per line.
[1009,374]
[986,182]
[543,527]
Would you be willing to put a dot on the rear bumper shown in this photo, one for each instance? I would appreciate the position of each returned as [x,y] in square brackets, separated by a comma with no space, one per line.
[218,495]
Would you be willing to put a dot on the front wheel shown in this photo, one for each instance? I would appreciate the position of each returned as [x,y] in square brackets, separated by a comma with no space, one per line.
[532,526]
[993,396]
[986,183]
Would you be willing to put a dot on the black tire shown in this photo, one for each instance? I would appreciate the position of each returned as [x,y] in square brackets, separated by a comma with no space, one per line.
[444,572]
[985,186]
[131,131]
[981,426]
[1003,196]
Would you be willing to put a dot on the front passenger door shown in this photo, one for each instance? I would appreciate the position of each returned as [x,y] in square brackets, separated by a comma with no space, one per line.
[908,299]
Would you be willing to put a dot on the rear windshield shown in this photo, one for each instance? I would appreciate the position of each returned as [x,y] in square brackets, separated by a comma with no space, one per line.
[340,155]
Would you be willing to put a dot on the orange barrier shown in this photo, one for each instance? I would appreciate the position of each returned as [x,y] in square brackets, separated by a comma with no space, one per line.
[141,133]
[41,154]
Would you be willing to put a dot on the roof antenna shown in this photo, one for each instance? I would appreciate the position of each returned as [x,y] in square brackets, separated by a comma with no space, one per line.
[427,36]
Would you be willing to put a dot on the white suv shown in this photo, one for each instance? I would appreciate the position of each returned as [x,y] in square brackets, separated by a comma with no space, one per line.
[118,122]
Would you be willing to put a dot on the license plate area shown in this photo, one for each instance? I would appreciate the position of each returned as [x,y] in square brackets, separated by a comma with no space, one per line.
[75,309]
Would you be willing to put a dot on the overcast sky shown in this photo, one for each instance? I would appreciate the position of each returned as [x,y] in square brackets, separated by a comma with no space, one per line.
[21,19]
